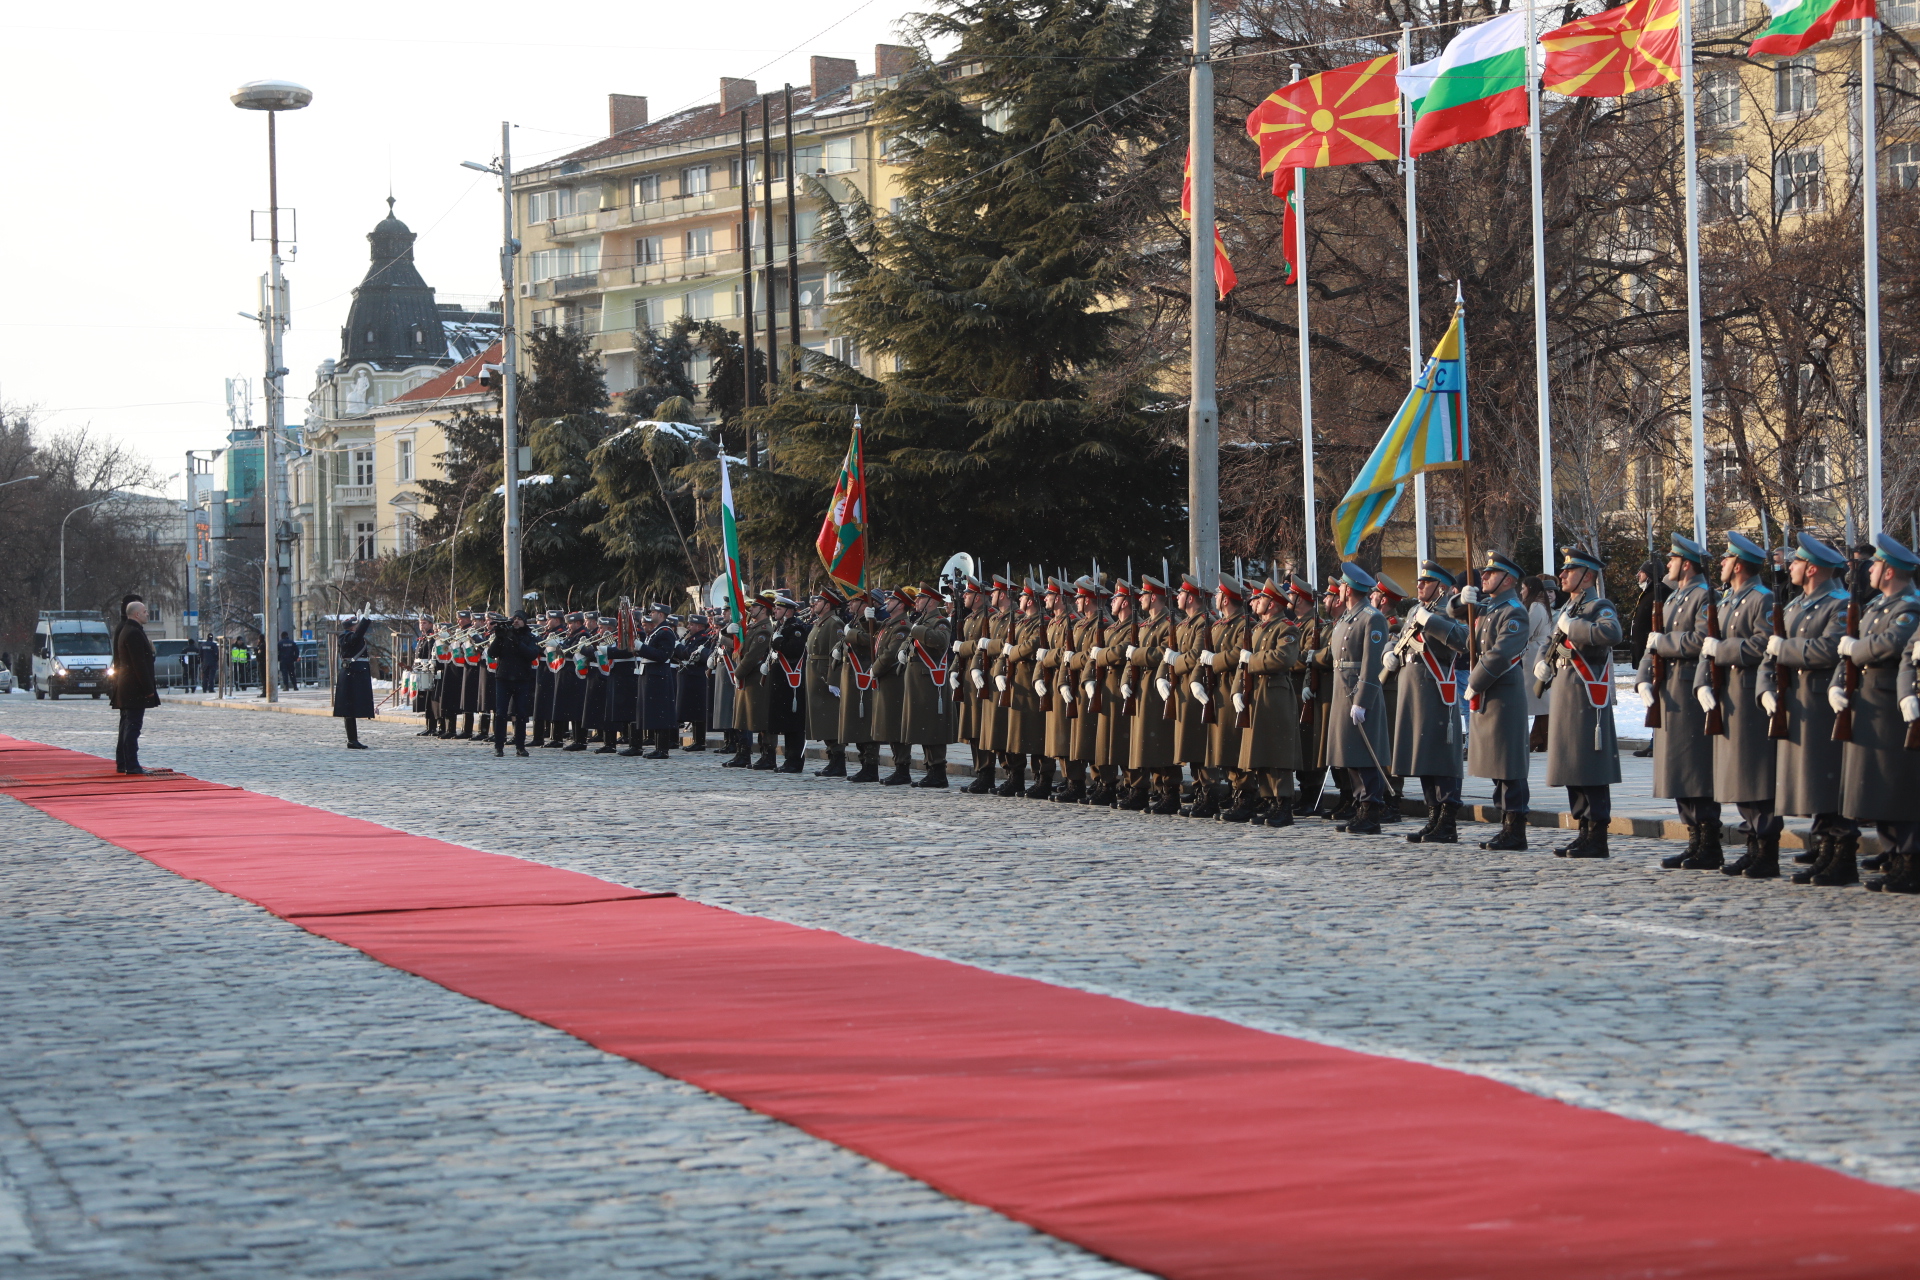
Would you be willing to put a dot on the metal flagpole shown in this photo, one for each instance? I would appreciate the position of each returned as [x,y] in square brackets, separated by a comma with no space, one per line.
[1420,540]
[1870,199]
[1696,391]
[1203,413]
[1306,370]
[1541,374]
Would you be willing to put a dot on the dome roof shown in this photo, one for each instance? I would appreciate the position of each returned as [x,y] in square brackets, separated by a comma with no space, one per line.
[393,322]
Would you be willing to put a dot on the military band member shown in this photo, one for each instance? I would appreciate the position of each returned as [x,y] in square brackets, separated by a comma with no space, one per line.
[1263,684]
[1357,708]
[786,684]
[1053,686]
[750,685]
[1116,781]
[823,679]
[1231,635]
[1743,755]
[598,724]
[623,680]
[1151,737]
[971,702]
[927,710]
[545,636]
[1026,718]
[1427,739]
[1682,752]
[1880,778]
[1793,681]
[1577,666]
[459,699]
[657,684]
[1497,695]
[568,687]
[1309,686]
[857,724]
[1192,636]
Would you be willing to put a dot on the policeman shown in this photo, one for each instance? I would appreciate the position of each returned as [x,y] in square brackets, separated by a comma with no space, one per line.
[823,679]
[657,711]
[927,702]
[1426,731]
[1880,778]
[1682,752]
[1151,737]
[1743,755]
[1577,664]
[786,683]
[1497,694]
[1793,686]
[1357,709]
[1270,744]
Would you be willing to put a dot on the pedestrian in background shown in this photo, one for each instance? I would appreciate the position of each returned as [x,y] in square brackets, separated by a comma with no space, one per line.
[353,690]
[209,664]
[1538,597]
[289,655]
[133,689]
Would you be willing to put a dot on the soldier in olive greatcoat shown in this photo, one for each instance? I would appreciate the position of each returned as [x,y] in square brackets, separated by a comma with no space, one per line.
[1192,637]
[857,725]
[1150,741]
[890,683]
[927,714]
[969,703]
[1076,672]
[1309,684]
[1497,694]
[1053,685]
[750,702]
[1682,752]
[1119,785]
[1577,664]
[1880,778]
[1263,685]
[1026,718]
[1232,633]
[823,679]
[1426,732]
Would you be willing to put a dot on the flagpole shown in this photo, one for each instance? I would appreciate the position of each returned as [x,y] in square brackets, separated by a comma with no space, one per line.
[1870,201]
[1306,370]
[1696,390]
[1203,414]
[1413,288]
[1541,374]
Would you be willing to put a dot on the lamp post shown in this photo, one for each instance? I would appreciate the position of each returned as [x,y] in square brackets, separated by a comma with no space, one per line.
[273,97]
[17,480]
[509,383]
[63,543]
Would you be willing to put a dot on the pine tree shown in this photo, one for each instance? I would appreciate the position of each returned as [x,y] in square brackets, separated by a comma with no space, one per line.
[651,512]
[1016,423]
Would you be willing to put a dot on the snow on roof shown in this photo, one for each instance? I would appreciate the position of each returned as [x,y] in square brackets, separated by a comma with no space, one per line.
[442,385]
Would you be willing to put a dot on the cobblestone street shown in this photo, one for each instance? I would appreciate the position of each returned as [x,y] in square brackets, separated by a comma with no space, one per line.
[195,1087]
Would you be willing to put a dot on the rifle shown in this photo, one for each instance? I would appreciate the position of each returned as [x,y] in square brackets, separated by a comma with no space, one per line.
[1777,723]
[1004,698]
[1243,719]
[1169,706]
[1716,681]
[1850,677]
[1068,697]
[1210,714]
[1097,704]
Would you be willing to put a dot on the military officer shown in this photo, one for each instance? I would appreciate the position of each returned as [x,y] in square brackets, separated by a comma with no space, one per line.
[656,711]
[1426,732]
[1053,685]
[1270,744]
[1497,694]
[1743,754]
[1682,753]
[1880,778]
[1026,717]
[823,678]
[1577,665]
[1309,687]
[857,724]
[1357,709]
[996,701]
[890,683]
[786,683]
[969,710]
[1106,669]
[1150,740]
[1793,686]
[1235,788]
[750,698]
[927,706]
[1193,699]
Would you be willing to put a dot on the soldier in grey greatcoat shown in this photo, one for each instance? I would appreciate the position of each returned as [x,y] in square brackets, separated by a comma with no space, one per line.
[1793,682]
[1880,778]
[1577,665]
[1387,596]
[1682,755]
[1743,755]
[1497,694]
[1357,712]
[1426,728]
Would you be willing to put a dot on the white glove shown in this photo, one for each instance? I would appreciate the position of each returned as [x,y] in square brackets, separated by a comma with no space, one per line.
[834,689]
[1774,645]
[1390,663]
[1040,655]
[1654,638]
[1768,702]
[733,628]
[766,668]
[1087,688]
[1836,698]
[1704,696]
[1543,670]
[903,655]
[1710,649]
[1239,704]
[839,652]
[1419,615]
[1000,683]
[1199,692]
[1246,656]
[1564,624]
[1306,693]
[1910,708]
[1848,644]
[1173,655]
[869,612]
[1357,713]
[713,660]
[1040,688]
[979,678]
[1130,649]
[1206,657]
[1646,693]
[1166,689]
[1470,595]
[1095,654]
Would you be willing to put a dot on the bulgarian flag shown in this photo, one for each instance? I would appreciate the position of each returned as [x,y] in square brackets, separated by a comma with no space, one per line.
[1223,274]
[1476,88]
[730,532]
[842,543]
[1801,24]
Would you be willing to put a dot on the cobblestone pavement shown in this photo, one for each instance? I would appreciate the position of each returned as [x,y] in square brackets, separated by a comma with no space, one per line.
[1758,1013]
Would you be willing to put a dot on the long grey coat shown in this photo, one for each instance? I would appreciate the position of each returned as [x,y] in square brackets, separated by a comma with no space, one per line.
[1807,760]
[1880,778]
[1150,736]
[1426,727]
[1682,756]
[1497,746]
[1353,654]
[1581,748]
[1743,756]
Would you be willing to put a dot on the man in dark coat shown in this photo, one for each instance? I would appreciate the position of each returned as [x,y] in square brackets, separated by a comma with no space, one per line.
[695,654]
[658,689]
[513,654]
[133,689]
[289,654]
[1646,614]
[353,689]
[209,664]
[786,684]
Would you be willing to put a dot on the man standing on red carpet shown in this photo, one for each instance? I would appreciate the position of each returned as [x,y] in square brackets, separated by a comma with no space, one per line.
[133,689]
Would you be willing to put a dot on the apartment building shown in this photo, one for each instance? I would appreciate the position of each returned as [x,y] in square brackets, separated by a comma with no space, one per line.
[647,225]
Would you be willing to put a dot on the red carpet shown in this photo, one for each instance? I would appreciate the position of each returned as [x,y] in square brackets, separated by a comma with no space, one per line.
[1178,1144]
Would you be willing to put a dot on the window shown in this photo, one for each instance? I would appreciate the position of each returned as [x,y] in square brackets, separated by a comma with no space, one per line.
[694,181]
[586,258]
[699,304]
[1815,472]
[1796,181]
[649,313]
[1900,13]
[839,154]
[1723,469]
[809,220]
[1794,89]
[1903,165]
[562,202]
[699,242]
[648,250]
[998,117]
[1723,189]
[548,263]
[407,532]
[808,159]
[1715,14]
[646,188]
[847,351]
[363,539]
[897,206]
[403,459]
[363,466]
[1720,100]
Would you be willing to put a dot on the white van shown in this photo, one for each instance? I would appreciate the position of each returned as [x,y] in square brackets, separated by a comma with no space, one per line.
[72,653]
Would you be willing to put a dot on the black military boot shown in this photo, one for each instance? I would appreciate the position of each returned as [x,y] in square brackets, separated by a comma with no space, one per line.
[432,730]
[795,759]
[1708,856]
[661,745]
[765,762]
[1513,833]
[1572,848]
[1135,798]
[1364,822]
[1903,875]
[1813,852]
[1166,800]
[1042,780]
[935,778]
[1206,802]
[1016,783]
[485,728]
[1433,821]
[1100,795]
[1390,811]
[1675,861]
[742,758]
[1596,841]
[1764,863]
[579,742]
[982,777]
[636,743]
[1740,864]
[902,773]
[1839,867]
[1279,812]
[1447,830]
[869,770]
[836,764]
[557,736]
[1342,809]
[1075,792]
[1245,807]
[1873,862]
[608,744]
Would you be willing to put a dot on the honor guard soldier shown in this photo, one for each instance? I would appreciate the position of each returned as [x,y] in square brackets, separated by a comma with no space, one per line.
[1150,742]
[1053,686]
[927,707]
[1309,686]
[1874,685]
[1083,724]
[1190,695]
[1682,752]
[1726,683]
[1231,635]
[459,709]
[597,720]
[1497,694]
[1427,744]
[353,689]
[1386,597]
[991,721]
[657,682]
[1576,667]
[857,725]
[1801,656]
[629,627]
[1026,719]
[1265,706]
[1116,781]
[698,655]
[1357,708]
[823,679]
[890,683]
[750,686]
[566,684]
[547,637]
[970,704]
[786,684]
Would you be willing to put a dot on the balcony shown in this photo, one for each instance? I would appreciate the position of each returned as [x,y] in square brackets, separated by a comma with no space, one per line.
[352,495]
[586,282]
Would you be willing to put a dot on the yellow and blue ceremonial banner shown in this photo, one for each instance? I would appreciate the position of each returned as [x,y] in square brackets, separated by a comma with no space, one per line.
[1429,433]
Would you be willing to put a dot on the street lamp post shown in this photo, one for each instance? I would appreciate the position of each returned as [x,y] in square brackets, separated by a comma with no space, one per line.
[273,97]
[17,480]
[509,381]
[63,543]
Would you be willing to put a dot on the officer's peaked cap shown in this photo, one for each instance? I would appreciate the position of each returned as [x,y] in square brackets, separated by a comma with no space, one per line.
[1501,562]
[1354,576]
[1741,547]
[1817,552]
[1577,557]
[1894,552]
[1434,571]
[1687,549]
[1391,587]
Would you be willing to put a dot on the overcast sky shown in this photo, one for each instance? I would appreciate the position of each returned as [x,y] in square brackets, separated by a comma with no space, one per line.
[131,174]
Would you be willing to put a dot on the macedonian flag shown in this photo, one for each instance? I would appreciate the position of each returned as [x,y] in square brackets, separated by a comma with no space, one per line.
[1612,54]
[1224,276]
[1344,116]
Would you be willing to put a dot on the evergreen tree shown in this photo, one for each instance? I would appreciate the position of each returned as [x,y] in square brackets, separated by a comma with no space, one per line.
[639,476]
[1016,423]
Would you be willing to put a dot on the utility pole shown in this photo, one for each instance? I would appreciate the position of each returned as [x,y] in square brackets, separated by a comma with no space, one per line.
[509,372]
[1203,413]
